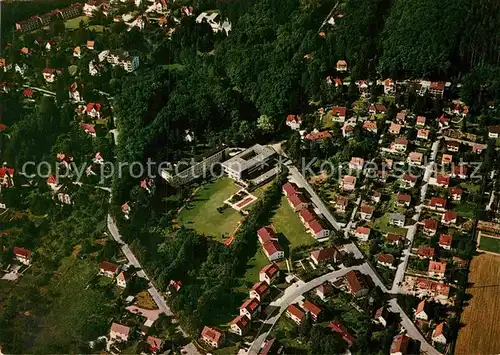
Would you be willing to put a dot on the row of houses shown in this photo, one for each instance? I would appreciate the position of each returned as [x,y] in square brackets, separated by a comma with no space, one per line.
[112,270]
[38,21]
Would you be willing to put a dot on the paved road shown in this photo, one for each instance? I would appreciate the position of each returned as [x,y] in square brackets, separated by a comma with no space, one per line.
[299,179]
[412,230]
[411,329]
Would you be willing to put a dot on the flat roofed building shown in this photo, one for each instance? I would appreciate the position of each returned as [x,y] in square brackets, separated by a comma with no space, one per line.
[242,165]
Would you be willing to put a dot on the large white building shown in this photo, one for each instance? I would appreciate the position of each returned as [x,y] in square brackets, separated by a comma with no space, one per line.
[243,165]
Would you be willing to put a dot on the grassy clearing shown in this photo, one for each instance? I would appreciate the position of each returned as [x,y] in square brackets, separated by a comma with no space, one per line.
[201,212]
[283,331]
[382,225]
[490,244]
[288,224]
[74,23]
[144,300]
[465,210]
[254,266]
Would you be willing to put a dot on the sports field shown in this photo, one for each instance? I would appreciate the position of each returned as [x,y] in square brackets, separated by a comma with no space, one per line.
[481,331]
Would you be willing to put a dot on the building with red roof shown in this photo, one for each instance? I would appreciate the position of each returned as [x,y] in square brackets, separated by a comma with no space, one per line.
[385,260]
[403,200]
[108,269]
[89,129]
[269,273]
[456,193]
[155,344]
[356,283]
[400,345]
[461,172]
[339,113]
[273,250]
[295,313]
[119,332]
[93,109]
[324,255]
[291,189]
[318,229]
[443,180]
[6,177]
[339,328]
[449,217]
[445,241]
[439,333]
[425,252]
[437,269]
[394,239]
[22,255]
[312,309]
[430,226]
[212,336]
[240,325]
[366,212]
[362,233]
[437,203]
[306,215]
[259,290]
[297,202]
[315,136]
[293,121]
[421,312]
[266,234]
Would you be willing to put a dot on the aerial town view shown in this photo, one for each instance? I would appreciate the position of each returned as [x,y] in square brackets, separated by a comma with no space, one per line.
[250,177]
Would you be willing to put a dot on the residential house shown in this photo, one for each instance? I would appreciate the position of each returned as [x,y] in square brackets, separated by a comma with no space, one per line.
[31,24]
[93,110]
[356,283]
[89,129]
[92,6]
[341,203]
[444,121]
[370,126]
[366,212]
[6,177]
[422,311]
[108,269]
[212,336]
[362,233]
[294,121]
[399,345]
[155,344]
[445,241]
[306,215]
[415,158]
[324,290]
[362,87]
[295,313]
[317,229]
[297,202]
[428,288]
[423,134]
[272,347]
[356,163]
[269,273]
[394,128]
[420,121]
[312,309]
[394,239]
[266,234]
[341,65]
[381,316]
[376,196]
[452,146]
[382,175]
[425,252]
[397,219]
[240,325]
[49,74]
[478,148]
[449,217]
[119,332]
[273,250]
[401,118]
[436,89]
[430,226]
[22,255]
[122,278]
[291,189]
[348,183]
[403,200]
[389,87]
[324,255]
[316,136]
[385,260]
[250,308]
[437,269]
[74,94]
[439,334]
[400,144]
[339,113]
[260,290]
[437,203]
[90,44]
[408,181]
[494,131]
[126,210]
[121,58]
[461,172]
[446,159]
[456,193]
[347,130]
[339,328]
[442,180]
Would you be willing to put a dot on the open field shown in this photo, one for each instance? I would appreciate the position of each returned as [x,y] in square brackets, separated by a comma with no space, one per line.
[254,266]
[201,212]
[288,223]
[481,333]
[75,22]
[382,225]
[490,244]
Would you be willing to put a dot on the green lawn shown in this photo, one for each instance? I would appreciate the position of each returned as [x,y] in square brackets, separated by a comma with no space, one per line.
[254,266]
[75,22]
[470,187]
[284,332]
[465,210]
[490,244]
[287,222]
[201,212]
[382,225]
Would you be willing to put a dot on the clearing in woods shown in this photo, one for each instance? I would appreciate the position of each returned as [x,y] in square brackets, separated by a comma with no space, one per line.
[481,333]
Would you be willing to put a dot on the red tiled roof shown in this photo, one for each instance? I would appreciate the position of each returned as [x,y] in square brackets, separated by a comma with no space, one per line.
[311,307]
[339,328]
[443,179]
[107,266]
[296,200]
[401,140]
[6,171]
[438,330]
[370,125]
[437,287]
[363,230]
[316,226]
[120,329]
[88,127]
[19,251]
[380,108]
[317,136]
[445,239]
[449,216]
[456,191]
[366,209]
[260,287]
[403,198]
[385,258]
[241,321]
[437,266]
[460,170]
[270,270]
[291,188]
[409,177]
[28,92]
[355,280]
[437,85]
[394,237]
[271,247]
[339,111]
[295,311]
[93,105]
[51,179]
[212,334]
[426,251]
[430,224]
[400,344]
[420,307]
[266,234]
[437,201]
[348,179]
[307,215]
[250,305]
[324,254]
[2,127]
